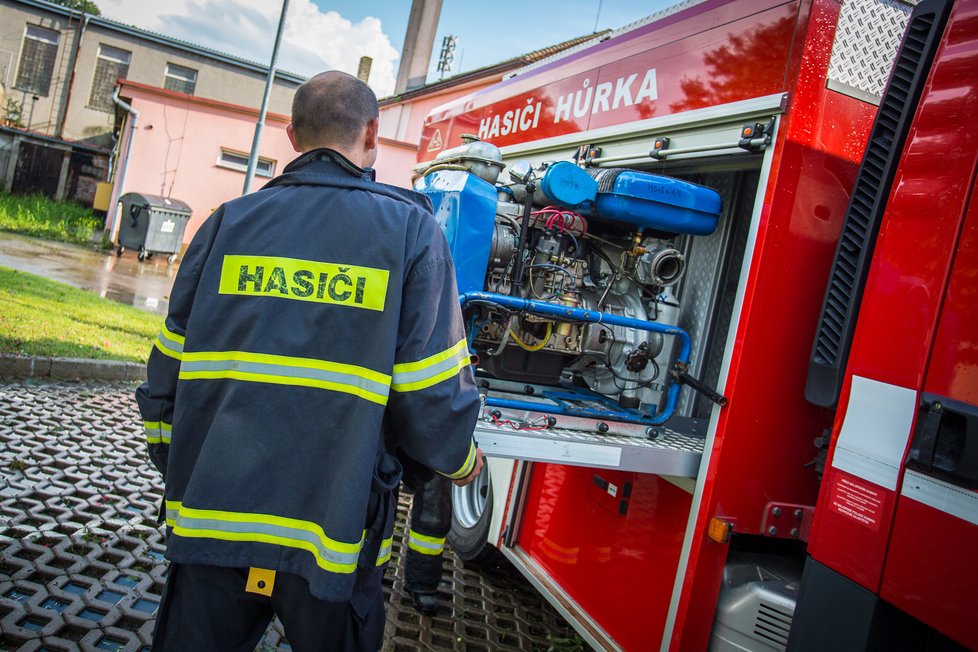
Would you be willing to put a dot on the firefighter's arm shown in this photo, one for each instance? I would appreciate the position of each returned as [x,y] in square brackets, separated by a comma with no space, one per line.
[434,402]
[155,397]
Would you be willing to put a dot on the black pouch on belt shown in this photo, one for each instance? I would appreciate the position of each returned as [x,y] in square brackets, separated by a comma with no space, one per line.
[379,531]
[383,508]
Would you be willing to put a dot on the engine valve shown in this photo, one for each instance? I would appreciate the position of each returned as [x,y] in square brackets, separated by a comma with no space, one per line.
[636,361]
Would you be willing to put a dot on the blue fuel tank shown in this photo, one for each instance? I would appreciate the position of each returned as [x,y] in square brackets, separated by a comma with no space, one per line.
[465,208]
[650,201]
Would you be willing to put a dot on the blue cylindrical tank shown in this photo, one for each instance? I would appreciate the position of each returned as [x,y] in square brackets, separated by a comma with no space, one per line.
[567,185]
[650,201]
[465,208]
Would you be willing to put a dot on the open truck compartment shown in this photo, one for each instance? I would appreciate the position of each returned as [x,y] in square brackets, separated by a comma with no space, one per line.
[657,248]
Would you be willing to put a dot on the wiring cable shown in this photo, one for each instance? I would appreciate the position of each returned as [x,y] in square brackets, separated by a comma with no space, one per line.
[536,347]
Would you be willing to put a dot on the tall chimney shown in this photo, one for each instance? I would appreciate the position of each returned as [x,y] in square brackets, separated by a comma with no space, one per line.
[420,38]
[363,71]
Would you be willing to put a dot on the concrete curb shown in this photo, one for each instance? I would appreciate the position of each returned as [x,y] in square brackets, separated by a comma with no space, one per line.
[70,368]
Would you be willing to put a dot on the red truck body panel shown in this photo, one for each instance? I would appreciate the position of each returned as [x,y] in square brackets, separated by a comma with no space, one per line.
[616,566]
[918,331]
[714,53]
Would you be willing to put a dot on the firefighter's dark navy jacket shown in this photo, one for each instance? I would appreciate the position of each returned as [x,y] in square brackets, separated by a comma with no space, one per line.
[309,322]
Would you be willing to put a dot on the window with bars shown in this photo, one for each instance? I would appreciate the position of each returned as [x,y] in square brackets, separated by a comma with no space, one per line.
[239,161]
[112,63]
[37,57]
[180,79]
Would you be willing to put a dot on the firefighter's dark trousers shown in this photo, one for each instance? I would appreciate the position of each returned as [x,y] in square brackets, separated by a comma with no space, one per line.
[431,519]
[208,608]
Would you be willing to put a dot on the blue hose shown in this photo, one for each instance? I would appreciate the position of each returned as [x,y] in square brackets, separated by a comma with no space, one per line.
[567,313]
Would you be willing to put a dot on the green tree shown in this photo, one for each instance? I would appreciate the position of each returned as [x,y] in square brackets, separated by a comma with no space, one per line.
[87,6]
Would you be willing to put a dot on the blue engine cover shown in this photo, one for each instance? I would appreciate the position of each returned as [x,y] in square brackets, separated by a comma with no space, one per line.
[465,208]
[650,201]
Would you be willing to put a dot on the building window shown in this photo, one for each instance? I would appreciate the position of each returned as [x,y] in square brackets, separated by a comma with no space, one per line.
[180,79]
[239,161]
[112,63]
[37,59]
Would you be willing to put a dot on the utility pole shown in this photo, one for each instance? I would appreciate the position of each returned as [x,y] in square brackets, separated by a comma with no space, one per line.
[256,143]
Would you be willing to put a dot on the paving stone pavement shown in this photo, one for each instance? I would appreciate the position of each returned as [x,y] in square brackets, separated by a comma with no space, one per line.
[81,557]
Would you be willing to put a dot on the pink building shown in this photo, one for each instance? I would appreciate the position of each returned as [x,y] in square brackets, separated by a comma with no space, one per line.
[193,149]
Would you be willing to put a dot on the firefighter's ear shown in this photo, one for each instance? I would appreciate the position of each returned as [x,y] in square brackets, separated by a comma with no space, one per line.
[370,137]
[290,130]
[370,143]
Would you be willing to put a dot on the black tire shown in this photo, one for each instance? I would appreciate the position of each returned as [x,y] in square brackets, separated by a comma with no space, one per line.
[470,542]
[141,256]
[118,252]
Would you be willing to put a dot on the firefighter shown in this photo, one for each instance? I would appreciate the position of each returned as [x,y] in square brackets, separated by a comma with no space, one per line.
[431,519]
[313,326]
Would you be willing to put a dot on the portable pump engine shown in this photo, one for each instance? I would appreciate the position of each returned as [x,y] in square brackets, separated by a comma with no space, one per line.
[566,273]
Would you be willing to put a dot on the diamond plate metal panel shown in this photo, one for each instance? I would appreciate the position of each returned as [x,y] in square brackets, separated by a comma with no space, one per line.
[866,41]
[698,291]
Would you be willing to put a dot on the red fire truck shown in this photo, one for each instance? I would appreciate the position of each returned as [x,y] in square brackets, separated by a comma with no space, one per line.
[822,496]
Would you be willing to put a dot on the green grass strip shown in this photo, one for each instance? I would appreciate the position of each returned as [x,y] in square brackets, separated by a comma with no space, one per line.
[46,318]
[38,216]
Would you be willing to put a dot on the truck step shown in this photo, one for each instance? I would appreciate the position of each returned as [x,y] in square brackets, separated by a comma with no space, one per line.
[668,453]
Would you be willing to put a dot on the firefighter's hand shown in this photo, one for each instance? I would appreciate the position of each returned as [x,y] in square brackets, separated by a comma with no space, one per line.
[475,470]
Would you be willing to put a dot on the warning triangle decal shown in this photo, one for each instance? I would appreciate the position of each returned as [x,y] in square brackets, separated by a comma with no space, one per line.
[435,141]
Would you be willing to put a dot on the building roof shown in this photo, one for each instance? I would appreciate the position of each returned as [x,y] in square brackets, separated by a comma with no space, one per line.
[35,135]
[162,39]
[496,69]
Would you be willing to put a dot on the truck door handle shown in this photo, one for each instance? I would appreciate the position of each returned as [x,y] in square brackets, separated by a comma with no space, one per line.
[945,442]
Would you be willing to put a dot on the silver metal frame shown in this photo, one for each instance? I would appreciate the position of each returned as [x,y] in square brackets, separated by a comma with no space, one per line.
[737,313]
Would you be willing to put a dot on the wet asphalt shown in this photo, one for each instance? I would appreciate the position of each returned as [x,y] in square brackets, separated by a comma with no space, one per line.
[145,285]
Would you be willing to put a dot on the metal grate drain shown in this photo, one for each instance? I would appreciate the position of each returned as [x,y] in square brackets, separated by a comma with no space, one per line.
[81,558]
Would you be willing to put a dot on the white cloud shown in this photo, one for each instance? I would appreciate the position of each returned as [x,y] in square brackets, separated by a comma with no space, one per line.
[313,41]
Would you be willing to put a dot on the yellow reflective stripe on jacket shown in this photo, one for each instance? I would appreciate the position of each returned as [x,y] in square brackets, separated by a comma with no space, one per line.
[412,376]
[466,467]
[330,554]
[157,432]
[169,343]
[385,550]
[285,370]
[425,544]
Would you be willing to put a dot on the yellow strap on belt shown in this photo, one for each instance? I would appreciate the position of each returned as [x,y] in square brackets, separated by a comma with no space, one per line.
[261,581]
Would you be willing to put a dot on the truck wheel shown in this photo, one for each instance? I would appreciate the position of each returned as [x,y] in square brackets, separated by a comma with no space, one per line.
[471,516]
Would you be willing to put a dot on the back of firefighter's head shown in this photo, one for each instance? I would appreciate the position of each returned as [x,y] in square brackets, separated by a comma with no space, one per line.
[336,110]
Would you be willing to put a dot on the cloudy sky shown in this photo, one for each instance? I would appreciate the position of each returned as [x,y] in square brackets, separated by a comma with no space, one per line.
[334,34]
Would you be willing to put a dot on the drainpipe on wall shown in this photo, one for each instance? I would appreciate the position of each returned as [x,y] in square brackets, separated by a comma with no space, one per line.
[121,162]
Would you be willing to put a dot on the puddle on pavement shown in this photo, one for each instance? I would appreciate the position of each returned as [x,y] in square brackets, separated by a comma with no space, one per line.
[145,285]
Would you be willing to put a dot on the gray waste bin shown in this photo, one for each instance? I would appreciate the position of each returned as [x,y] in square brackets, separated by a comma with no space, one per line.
[152,224]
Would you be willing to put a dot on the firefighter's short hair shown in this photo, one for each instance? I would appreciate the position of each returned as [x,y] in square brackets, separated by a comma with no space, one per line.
[332,108]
